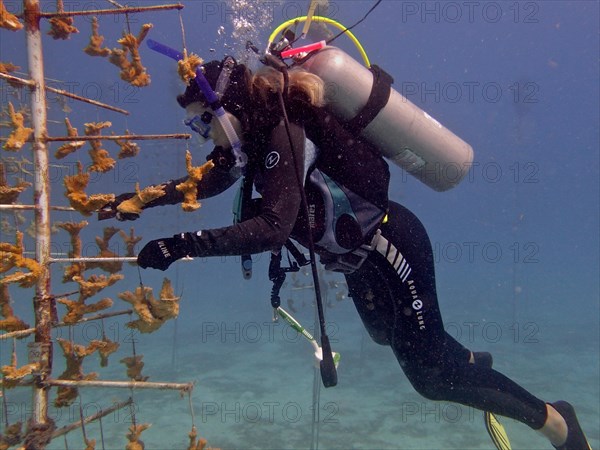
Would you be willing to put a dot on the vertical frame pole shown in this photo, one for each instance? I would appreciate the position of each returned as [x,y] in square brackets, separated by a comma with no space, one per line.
[41,349]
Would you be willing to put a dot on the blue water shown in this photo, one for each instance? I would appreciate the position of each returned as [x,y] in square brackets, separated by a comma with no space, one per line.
[516,243]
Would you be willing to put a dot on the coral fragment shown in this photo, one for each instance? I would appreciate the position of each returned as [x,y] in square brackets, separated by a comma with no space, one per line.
[76,309]
[132,70]
[12,256]
[12,374]
[101,160]
[95,48]
[135,204]
[103,244]
[74,356]
[12,436]
[7,20]
[69,147]
[134,436]
[20,133]
[10,194]
[134,366]
[78,199]
[95,283]
[77,268]
[186,67]
[189,186]
[9,322]
[130,241]
[62,27]
[129,149]
[152,313]
[8,68]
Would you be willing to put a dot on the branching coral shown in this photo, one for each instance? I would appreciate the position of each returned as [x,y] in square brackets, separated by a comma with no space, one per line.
[134,436]
[189,186]
[13,374]
[131,71]
[130,241]
[74,356]
[69,147]
[76,309]
[9,228]
[10,194]
[8,67]
[7,20]
[95,48]
[106,347]
[12,256]
[195,443]
[134,366]
[75,269]
[78,199]
[152,313]
[135,204]
[95,283]
[10,322]
[129,149]
[103,243]
[61,27]
[102,162]
[186,67]
[20,133]
[13,435]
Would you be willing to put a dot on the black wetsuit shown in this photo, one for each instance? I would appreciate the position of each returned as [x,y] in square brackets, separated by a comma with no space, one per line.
[394,290]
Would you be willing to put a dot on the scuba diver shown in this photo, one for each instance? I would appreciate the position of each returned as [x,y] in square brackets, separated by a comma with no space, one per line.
[296,148]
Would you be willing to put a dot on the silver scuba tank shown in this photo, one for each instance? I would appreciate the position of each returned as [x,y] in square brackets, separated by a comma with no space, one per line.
[404,133]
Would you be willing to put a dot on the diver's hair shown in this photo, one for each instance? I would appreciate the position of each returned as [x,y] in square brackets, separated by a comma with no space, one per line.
[302,84]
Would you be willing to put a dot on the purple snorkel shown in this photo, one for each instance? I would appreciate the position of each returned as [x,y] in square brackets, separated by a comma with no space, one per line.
[213,100]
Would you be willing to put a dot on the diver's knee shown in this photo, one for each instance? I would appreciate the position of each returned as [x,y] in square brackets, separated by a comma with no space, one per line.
[429,382]
[379,337]
[430,391]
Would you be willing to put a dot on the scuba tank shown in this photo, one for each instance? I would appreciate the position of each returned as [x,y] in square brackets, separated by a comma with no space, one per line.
[402,132]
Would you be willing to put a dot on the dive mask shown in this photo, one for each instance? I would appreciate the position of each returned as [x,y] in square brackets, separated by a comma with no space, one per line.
[200,123]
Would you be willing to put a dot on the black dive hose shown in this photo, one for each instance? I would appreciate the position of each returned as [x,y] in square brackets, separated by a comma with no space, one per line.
[327,365]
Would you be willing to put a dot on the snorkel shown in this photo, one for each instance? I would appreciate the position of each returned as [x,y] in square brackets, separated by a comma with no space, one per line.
[213,101]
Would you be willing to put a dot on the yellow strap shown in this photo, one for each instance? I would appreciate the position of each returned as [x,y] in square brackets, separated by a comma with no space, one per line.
[311,11]
[327,20]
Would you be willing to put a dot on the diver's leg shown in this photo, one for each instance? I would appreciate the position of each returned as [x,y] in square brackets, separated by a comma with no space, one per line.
[434,362]
[394,293]
[439,370]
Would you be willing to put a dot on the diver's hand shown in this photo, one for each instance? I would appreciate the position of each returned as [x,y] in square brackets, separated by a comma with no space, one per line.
[110,210]
[161,253]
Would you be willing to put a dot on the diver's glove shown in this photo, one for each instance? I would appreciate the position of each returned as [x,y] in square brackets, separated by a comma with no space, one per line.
[110,210]
[161,253]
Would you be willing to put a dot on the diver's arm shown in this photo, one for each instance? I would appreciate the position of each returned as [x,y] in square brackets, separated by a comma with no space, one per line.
[280,204]
[214,182]
[281,199]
